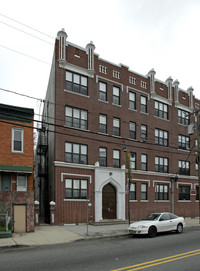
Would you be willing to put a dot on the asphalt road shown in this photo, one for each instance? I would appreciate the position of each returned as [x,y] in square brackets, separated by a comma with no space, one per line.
[170,251]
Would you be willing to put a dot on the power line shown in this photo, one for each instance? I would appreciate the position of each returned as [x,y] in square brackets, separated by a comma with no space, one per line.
[21,94]
[27,26]
[25,55]
[108,142]
[26,33]
[95,133]
[56,104]
[110,130]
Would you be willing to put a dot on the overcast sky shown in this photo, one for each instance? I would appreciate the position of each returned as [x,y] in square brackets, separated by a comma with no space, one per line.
[142,34]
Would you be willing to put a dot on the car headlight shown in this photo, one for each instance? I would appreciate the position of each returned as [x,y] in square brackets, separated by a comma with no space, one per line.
[143,227]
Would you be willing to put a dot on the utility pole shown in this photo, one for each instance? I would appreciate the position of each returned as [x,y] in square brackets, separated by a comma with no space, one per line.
[198,154]
[129,179]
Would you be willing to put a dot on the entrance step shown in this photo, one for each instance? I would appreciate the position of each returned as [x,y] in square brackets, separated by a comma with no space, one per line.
[109,222]
[5,234]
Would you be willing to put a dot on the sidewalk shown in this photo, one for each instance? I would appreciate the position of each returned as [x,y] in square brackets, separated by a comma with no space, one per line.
[48,235]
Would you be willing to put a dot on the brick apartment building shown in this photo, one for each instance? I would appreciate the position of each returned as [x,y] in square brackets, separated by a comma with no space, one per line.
[95,113]
[16,166]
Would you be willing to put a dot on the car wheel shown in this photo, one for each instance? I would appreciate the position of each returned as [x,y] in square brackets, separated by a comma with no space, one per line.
[179,228]
[152,231]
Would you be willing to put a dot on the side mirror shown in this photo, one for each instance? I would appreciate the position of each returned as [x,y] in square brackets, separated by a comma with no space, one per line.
[161,219]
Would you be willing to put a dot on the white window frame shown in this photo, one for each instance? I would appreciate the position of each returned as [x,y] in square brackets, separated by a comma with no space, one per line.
[21,188]
[22,139]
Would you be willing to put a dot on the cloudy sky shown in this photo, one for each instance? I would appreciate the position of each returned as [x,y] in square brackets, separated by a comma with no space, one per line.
[142,34]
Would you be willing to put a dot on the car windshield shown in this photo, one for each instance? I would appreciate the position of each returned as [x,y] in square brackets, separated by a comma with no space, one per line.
[152,217]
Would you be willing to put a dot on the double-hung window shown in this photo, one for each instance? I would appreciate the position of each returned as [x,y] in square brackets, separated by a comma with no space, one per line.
[132,100]
[184,192]
[133,160]
[21,182]
[116,127]
[161,137]
[161,164]
[116,95]
[132,128]
[76,189]
[102,91]
[132,192]
[116,158]
[76,83]
[76,153]
[183,117]
[143,132]
[183,142]
[143,104]
[17,140]
[144,162]
[144,191]
[184,167]
[103,157]
[161,110]
[103,124]
[76,118]
[162,192]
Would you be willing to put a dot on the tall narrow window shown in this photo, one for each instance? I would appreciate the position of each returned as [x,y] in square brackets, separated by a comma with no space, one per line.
[116,95]
[17,140]
[143,104]
[103,157]
[102,91]
[144,162]
[116,127]
[132,100]
[21,182]
[116,158]
[144,132]
[103,124]
[144,192]
[132,128]
[133,160]
[132,193]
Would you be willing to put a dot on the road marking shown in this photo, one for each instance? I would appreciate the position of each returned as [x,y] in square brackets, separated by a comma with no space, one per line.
[160,261]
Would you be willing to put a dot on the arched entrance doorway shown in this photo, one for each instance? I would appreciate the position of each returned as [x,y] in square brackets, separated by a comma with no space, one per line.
[109,202]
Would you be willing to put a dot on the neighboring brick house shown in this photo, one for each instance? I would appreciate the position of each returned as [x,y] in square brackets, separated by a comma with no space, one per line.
[16,166]
[97,111]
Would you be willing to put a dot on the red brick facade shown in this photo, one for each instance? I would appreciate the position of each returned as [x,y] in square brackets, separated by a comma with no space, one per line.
[15,164]
[84,62]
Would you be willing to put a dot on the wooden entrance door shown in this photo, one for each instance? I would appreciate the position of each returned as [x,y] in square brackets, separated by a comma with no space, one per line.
[109,202]
[19,218]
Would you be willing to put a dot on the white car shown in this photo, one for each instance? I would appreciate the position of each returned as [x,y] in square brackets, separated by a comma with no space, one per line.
[157,222]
